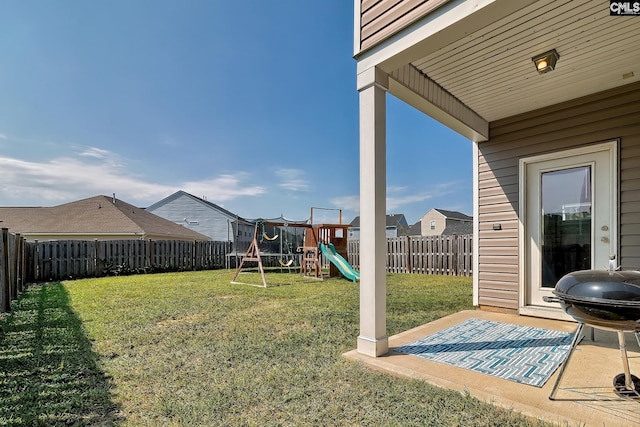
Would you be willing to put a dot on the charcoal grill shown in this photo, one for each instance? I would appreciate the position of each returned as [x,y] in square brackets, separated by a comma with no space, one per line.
[603,299]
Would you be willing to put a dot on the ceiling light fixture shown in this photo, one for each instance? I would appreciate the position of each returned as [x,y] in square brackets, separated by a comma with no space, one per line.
[546,62]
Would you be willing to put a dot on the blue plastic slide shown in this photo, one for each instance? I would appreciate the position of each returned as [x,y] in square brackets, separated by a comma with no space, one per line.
[329,252]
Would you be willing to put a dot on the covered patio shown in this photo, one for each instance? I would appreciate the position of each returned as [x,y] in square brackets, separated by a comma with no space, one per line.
[543,89]
[472,65]
[584,397]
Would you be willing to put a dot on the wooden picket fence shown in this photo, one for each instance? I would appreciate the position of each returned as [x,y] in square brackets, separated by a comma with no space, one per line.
[445,255]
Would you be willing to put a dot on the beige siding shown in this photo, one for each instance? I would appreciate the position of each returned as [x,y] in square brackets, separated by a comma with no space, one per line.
[605,116]
[380,19]
[425,223]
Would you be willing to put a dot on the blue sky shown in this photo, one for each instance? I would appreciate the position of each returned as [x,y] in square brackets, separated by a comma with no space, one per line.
[251,104]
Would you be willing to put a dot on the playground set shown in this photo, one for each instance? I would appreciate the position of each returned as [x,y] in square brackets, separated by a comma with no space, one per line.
[319,240]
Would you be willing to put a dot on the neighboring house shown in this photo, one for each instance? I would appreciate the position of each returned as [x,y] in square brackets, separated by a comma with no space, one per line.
[396,225]
[100,217]
[204,217]
[439,222]
[541,131]
[415,229]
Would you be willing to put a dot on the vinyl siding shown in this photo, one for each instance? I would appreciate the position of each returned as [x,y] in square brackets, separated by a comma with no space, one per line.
[380,19]
[436,216]
[199,217]
[602,117]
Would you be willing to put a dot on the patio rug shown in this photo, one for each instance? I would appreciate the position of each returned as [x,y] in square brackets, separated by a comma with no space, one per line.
[518,353]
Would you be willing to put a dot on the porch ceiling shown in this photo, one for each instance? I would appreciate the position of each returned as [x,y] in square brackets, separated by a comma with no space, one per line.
[490,69]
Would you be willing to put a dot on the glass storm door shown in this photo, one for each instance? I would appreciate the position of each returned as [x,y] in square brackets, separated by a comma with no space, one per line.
[570,218]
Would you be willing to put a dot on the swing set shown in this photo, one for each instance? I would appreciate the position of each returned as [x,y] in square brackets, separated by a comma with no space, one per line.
[284,244]
[255,255]
[314,235]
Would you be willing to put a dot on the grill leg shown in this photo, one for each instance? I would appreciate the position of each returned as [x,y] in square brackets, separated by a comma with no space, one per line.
[626,385]
[574,343]
[628,382]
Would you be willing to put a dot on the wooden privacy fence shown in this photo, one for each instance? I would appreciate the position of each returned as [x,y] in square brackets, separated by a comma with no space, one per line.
[64,259]
[23,262]
[12,268]
[445,255]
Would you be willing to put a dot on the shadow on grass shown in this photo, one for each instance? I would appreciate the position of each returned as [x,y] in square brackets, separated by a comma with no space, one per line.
[49,375]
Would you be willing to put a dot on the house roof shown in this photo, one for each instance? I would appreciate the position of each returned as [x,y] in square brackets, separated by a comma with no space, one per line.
[415,229]
[454,214]
[181,193]
[95,215]
[392,220]
[458,227]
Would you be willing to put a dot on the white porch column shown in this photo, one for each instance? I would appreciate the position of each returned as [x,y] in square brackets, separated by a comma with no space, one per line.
[476,226]
[373,85]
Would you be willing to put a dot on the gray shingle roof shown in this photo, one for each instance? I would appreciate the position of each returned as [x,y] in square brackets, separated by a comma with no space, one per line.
[458,228]
[392,220]
[454,214]
[95,215]
[415,229]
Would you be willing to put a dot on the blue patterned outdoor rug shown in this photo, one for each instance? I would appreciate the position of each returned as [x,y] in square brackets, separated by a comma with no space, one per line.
[518,353]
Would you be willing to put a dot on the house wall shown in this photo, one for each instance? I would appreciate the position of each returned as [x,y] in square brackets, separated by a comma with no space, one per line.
[436,216]
[381,19]
[441,223]
[186,211]
[598,118]
[353,233]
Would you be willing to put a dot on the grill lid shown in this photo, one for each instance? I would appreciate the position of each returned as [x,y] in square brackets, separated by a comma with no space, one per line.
[615,288]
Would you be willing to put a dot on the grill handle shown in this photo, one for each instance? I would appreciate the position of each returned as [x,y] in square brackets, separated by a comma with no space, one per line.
[551,299]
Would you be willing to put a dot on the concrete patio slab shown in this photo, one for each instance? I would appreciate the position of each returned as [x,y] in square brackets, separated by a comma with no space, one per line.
[585,396]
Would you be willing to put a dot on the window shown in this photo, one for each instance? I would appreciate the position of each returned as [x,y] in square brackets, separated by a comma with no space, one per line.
[433,224]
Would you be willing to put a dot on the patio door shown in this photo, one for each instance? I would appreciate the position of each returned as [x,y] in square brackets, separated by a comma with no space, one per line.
[570,216]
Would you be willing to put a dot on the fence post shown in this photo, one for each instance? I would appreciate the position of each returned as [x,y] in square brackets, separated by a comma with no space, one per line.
[96,259]
[5,303]
[194,248]
[456,249]
[407,251]
[22,275]
[15,272]
[35,264]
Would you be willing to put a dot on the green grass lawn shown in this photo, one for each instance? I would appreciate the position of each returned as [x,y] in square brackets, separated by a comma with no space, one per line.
[191,349]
